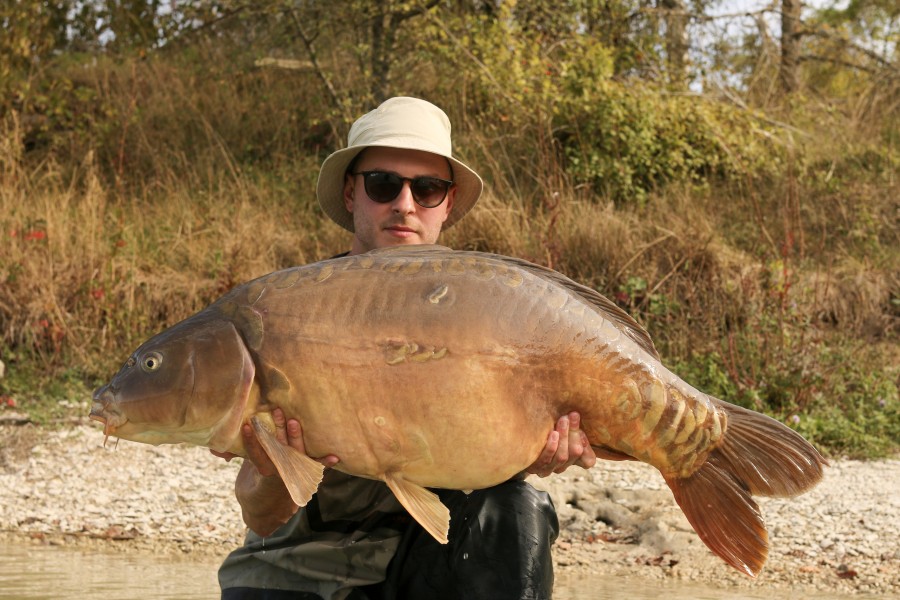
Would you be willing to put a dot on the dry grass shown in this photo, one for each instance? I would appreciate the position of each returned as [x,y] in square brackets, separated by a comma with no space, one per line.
[87,274]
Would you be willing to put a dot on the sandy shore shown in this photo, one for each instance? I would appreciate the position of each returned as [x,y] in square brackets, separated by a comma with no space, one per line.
[65,487]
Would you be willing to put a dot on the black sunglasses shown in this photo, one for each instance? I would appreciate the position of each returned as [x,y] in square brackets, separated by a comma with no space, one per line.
[383,187]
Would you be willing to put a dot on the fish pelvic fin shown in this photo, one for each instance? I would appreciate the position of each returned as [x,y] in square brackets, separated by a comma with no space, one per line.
[300,473]
[758,456]
[424,506]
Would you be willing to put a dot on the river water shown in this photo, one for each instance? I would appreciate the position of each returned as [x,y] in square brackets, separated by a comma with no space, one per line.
[48,572]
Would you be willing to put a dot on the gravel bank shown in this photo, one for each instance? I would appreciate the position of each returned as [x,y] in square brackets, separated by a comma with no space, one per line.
[65,487]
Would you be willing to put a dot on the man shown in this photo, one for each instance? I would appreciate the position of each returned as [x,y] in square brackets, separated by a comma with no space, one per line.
[396,183]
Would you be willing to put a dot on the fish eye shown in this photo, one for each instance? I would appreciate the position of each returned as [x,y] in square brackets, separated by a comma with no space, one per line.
[151,362]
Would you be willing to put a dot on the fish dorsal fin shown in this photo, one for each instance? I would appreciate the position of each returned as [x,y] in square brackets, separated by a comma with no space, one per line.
[600,303]
[424,506]
[300,473]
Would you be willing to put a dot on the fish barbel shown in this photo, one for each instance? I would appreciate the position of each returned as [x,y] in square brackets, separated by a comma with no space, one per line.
[426,367]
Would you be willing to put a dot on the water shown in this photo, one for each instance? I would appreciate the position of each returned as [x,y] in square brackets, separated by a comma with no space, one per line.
[50,572]
[601,587]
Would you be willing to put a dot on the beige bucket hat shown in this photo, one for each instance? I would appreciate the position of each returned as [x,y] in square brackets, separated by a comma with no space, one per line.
[402,122]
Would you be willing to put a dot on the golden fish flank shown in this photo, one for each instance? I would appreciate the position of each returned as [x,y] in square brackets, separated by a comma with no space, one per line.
[255,291]
[602,434]
[396,352]
[363,262]
[324,273]
[484,272]
[657,400]
[477,269]
[250,322]
[456,267]
[629,401]
[346,353]
[404,267]
[668,434]
[514,279]
[439,293]
[686,427]
[285,279]
[555,298]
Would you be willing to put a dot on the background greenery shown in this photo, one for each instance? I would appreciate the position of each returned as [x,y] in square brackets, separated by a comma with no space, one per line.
[742,206]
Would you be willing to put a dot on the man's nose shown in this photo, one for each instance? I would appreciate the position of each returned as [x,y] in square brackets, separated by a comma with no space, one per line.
[404,202]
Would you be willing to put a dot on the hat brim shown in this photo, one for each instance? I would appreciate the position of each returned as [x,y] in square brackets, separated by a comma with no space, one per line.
[330,187]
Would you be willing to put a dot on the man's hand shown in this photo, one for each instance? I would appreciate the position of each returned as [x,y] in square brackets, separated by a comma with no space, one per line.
[287,431]
[566,445]
[265,502]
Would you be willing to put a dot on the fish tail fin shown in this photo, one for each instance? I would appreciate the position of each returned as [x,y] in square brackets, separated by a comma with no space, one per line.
[757,456]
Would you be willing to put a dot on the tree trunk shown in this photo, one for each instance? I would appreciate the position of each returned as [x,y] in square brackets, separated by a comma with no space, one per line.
[386,23]
[676,41]
[790,45]
[382,52]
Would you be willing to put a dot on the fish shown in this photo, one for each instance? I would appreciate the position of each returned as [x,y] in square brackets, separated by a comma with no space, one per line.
[426,367]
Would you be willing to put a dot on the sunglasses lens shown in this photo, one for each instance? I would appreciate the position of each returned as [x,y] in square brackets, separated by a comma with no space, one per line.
[383,187]
[428,191]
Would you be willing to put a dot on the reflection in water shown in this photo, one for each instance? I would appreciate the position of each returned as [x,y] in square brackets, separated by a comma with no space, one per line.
[45,572]
[604,587]
[31,572]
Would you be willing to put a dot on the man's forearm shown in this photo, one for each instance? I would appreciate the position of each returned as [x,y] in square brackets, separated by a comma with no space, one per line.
[265,502]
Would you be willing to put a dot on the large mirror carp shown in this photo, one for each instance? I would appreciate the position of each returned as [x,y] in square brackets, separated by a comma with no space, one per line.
[426,367]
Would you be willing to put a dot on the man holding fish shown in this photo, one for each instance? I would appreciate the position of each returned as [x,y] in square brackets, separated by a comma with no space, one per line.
[424,367]
[395,184]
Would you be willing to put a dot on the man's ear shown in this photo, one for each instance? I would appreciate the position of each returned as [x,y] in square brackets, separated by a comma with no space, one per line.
[348,192]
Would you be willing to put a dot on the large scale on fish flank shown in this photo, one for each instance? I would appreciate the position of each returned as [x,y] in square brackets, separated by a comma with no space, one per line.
[425,367]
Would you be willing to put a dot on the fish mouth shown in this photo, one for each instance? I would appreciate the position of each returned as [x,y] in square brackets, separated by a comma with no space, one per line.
[104,409]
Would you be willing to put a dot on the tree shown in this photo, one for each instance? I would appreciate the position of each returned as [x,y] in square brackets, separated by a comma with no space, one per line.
[386,20]
[790,45]
[676,18]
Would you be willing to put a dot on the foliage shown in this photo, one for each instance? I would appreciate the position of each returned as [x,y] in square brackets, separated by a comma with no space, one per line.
[860,416]
[629,140]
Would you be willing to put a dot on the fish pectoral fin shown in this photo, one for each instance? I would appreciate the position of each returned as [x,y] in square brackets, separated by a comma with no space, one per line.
[424,506]
[300,473]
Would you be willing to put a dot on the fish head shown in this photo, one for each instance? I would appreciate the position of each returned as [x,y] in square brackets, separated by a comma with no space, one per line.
[190,384]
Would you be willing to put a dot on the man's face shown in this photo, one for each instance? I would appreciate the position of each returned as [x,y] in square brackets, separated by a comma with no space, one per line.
[400,221]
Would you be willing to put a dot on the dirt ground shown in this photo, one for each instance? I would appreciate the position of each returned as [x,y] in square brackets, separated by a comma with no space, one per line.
[63,486]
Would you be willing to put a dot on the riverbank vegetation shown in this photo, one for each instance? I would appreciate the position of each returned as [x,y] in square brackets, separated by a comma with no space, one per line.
[740,203]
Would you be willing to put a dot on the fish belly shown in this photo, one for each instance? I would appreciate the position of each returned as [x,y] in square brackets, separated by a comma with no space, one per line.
[458,425]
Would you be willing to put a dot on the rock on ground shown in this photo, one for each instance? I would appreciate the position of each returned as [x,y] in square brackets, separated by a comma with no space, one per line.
[66,487]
